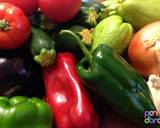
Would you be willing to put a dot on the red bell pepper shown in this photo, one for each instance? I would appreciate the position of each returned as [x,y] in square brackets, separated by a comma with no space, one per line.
[67,96]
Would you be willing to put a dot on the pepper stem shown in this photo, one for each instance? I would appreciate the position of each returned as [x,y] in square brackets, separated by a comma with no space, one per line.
[79,42]
[85,51]
[4,25]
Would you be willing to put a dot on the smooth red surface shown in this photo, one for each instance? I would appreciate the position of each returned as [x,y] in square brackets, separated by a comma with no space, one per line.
[66,94]
[60,11]
[19,27]
[28,6]
[143,58]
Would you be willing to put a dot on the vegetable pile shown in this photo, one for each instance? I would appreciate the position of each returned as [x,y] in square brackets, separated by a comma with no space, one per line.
[68,64]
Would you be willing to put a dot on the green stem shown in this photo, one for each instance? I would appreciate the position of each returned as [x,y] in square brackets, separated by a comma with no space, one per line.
[85,51]
[4,25]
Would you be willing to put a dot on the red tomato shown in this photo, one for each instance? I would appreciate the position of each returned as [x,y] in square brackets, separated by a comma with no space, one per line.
[14,26]
[60,11]
[144,50]
[28,6]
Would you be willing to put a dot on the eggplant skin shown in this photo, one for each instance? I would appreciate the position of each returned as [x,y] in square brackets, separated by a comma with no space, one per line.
[19,75]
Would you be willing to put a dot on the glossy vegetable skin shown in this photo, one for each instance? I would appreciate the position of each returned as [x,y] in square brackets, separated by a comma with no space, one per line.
[67,96]
[118,83]
[24,112]
[19,74]
[42,47]
[143,51]
[90,14]
[29,7]
[67,40]
[60,11]
[14,27]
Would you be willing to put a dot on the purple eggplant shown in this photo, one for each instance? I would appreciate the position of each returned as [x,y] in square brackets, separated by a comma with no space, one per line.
[19,75]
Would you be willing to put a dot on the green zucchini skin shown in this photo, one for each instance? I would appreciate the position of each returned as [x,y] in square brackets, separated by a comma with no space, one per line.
[89,15]
[42,47]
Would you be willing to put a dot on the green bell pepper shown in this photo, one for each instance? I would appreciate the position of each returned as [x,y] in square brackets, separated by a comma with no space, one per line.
[122,87]
[23,112]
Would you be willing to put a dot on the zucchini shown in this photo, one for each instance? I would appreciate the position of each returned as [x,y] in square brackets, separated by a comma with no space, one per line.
[42,47]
